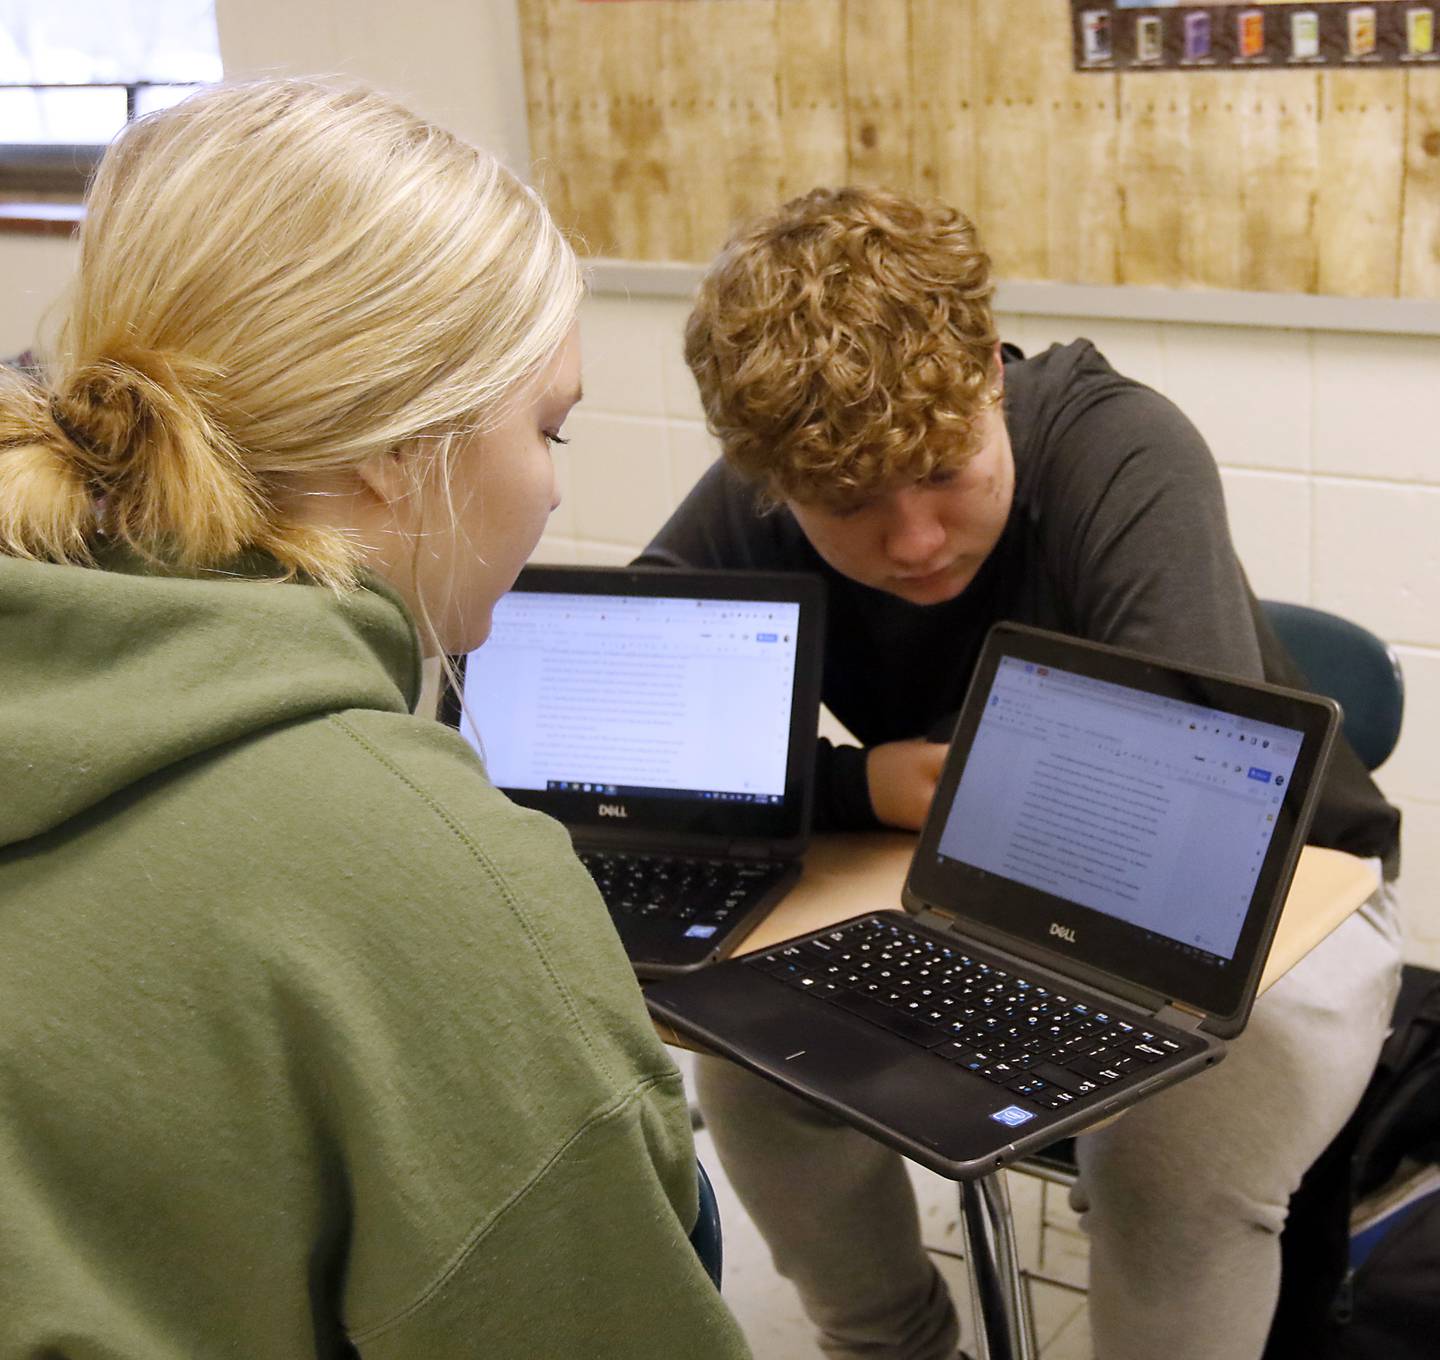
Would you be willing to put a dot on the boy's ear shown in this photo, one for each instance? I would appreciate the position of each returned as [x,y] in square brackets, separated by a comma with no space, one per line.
[385,477]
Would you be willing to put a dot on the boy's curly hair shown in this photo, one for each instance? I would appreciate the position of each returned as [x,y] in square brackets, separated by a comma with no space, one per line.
[845,343]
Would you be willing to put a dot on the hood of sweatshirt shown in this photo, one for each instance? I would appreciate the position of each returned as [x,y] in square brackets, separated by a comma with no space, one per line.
[111,674]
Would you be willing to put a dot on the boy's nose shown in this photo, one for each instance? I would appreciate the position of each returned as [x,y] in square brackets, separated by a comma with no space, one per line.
[914,534]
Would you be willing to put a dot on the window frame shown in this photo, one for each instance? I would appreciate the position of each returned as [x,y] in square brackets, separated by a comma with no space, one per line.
[64,169]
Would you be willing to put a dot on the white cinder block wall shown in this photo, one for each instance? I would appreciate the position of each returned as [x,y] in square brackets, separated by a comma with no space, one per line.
[1327,444]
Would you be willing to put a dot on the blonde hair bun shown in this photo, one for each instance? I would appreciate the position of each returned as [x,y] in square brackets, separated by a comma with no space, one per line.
[154,457]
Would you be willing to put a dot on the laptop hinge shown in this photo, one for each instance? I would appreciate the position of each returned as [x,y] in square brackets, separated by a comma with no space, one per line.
[1181,1016]
[751,850]
[935,919]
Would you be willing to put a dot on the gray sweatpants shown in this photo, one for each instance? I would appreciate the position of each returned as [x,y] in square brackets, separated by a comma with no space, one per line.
[1183,1198]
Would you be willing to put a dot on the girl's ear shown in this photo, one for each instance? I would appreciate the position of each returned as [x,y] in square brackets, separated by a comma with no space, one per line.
[385,477]
[998,383]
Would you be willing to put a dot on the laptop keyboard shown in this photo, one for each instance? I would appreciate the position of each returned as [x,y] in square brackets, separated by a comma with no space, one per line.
[704,893]
[1030,1039]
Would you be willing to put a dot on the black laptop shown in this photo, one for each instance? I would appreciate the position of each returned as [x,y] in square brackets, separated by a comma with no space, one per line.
[668,719]
[1087,913]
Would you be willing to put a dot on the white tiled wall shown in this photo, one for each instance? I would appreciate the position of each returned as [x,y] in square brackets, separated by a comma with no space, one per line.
[34,271]
[1329,449]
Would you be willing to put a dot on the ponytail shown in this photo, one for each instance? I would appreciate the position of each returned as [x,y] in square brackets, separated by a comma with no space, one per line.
[163,469]
[46,510]
[127,449]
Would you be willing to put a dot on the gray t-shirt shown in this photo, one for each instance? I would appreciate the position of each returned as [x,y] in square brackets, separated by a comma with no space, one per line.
[1117,534]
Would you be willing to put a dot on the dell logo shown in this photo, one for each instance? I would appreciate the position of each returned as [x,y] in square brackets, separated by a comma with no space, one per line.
[1064,932]
[613,810]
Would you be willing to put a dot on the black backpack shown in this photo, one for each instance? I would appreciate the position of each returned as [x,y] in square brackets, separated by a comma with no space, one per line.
[1390,1305]
[1388,1308]
[1400,1114]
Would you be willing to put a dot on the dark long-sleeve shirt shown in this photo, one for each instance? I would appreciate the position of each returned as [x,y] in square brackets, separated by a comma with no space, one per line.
[1117,533]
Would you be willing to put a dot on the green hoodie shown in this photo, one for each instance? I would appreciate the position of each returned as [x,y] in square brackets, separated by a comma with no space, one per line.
[307,1035]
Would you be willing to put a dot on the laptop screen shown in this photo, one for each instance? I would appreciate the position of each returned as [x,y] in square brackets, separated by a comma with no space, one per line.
[624,700]
[1140,820]
[1152,810]
[662,696]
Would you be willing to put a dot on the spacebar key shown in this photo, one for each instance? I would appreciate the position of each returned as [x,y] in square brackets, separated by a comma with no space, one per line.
[897,1022]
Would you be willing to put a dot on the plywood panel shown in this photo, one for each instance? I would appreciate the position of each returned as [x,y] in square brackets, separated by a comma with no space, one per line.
[1420,240]
[1212,251]
[810,95]
[718,66]
[657,124]
[1280,172]
[1217,180]
[877,92]
[560,147]
[1362,135]
[1152,177]
[1082,207]
[1010,138]
[942,72]
[1046,139]
[639,183]
[604,158]
[540,105]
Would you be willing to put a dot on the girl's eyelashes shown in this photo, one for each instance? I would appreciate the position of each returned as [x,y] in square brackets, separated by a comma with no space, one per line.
[554,437]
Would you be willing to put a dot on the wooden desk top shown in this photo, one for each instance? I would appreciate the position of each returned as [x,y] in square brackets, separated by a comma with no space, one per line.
[848,874]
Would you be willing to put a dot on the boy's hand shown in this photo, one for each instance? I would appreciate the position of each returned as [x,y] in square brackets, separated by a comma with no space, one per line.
[902,776]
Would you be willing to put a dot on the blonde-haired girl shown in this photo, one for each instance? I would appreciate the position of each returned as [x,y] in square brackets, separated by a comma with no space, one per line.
[310,1042]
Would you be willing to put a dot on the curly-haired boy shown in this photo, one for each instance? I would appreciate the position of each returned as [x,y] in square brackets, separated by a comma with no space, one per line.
[875,431]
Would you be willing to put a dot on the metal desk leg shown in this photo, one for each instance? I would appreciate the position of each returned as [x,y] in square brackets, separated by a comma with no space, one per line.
[1002,1305]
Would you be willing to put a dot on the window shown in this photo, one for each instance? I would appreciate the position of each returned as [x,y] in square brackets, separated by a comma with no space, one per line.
[72,72]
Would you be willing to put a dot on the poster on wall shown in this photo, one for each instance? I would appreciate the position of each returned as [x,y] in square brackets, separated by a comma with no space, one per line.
[1171,35]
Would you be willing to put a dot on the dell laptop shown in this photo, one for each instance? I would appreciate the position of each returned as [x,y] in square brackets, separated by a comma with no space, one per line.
[668,719]
[1087,913]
